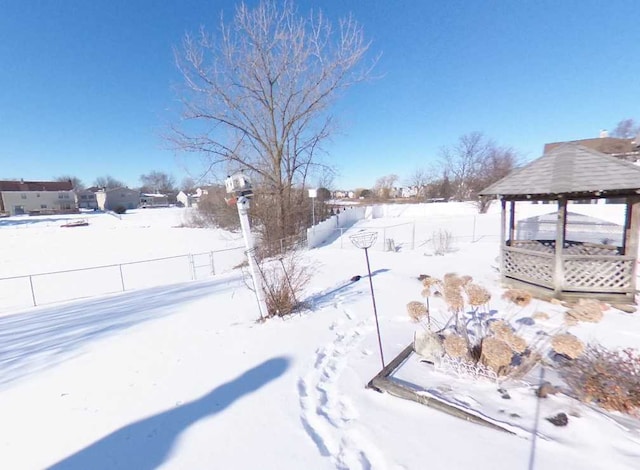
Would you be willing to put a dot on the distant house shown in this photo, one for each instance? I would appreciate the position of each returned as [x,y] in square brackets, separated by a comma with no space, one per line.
[111,199]
[86,198]
[187,200]
[625,149]
[37,197]
[149,200]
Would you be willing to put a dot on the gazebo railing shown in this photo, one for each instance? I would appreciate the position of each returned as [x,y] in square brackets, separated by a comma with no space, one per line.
[529,265]
[592,271]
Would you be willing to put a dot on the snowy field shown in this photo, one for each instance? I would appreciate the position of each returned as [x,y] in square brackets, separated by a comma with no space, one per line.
[180,376]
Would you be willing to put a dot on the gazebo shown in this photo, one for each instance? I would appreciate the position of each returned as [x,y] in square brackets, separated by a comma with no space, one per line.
[564,266]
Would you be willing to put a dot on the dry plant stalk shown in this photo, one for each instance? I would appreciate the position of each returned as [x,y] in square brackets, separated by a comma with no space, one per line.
[417,310]
[568,345]
[519,297]
[455,346]
[466,280]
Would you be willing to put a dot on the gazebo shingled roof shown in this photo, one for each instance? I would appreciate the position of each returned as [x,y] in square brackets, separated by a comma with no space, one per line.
[569,169]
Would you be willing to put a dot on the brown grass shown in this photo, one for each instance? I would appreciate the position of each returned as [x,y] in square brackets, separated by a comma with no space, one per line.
[586,310]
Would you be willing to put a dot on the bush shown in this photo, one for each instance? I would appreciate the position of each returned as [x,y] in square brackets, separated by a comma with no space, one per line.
[284,282]
[611,379]
[120,209]
[442,241]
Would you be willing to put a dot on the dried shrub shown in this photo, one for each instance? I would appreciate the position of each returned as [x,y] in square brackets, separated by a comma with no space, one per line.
[455,346]
[516,343]
[284,281]
[568,345]
[587,310]
[477,295]
[417,310]
[519,297]
[608,378]
[442,242]
[496,354]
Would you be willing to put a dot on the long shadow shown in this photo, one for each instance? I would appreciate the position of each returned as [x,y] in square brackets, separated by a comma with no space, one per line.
[40,338]
[322,299]
[147,443]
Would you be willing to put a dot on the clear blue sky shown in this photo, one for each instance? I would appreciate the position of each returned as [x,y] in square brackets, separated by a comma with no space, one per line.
[86,85]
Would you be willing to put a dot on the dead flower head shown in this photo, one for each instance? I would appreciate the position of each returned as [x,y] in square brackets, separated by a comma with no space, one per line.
[568,345]
[416,310]
[455,346]
[520,297]
[477,295]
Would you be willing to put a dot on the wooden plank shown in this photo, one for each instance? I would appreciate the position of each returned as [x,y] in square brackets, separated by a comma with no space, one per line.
[382,383]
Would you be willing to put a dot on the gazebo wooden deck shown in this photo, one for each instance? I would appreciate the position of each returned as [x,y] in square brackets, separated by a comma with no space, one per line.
[561,267]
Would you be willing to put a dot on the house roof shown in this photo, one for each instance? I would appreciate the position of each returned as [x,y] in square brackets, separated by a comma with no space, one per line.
[19,186]
[608,145]
[569,169]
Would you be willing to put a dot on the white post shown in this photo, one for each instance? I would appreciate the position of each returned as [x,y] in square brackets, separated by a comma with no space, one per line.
[243,212]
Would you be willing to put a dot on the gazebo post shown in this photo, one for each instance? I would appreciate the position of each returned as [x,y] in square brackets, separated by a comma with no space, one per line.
[503,232]
[561,223]
[512,221]
[632,225]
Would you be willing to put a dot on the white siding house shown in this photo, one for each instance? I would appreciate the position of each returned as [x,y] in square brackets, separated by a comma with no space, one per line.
[37,197]
[111,199]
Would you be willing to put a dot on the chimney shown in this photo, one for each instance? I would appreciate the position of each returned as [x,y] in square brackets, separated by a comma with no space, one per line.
[604,133]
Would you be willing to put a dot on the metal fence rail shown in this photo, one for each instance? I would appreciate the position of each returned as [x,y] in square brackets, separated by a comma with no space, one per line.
[55,286]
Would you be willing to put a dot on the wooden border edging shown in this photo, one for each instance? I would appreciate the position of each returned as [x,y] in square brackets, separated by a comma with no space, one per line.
[382,383]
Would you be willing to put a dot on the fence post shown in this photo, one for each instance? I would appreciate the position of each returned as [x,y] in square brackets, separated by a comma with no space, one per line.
[413,236]
[33,294]
[121,277]
[192,265]
[213,266]
[473,236]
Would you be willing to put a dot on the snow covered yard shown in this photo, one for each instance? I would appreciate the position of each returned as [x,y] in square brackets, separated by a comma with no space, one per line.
[182,376]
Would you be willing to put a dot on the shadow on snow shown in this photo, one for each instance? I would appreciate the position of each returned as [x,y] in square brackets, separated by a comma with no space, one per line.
[39,338]
[147,443]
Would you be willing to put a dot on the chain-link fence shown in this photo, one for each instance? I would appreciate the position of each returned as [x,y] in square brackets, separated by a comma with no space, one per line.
[43,288]
[420,234]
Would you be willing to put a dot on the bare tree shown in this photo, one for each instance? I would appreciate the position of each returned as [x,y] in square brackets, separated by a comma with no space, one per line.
[626,129]
[474,163]
[258,94]
[421,178]
[76,182]
[188,185]
[384,186]
[108,182]
[157,182]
